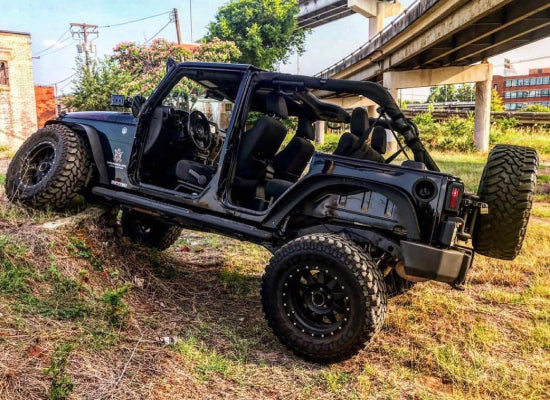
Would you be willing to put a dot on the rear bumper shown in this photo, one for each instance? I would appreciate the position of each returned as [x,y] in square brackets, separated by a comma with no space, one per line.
[443,265]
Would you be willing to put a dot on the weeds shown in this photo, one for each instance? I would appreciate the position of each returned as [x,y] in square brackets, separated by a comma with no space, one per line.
[204,361]
[491,341]
[116,310]
[61,385]
[80,249]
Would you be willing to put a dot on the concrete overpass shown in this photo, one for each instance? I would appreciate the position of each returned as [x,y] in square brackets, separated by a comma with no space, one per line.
[437,42]
[314,13]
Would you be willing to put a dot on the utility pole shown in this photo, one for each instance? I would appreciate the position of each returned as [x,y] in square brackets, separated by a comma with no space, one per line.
[177,22]
[191,18]
[83,32]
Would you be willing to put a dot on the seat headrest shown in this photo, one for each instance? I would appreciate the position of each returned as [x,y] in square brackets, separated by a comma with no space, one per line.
[276,104]
[359,123]
[305,129]
[378,140]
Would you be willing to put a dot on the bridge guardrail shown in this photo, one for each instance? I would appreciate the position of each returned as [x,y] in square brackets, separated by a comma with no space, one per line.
[324,73]
[523,118]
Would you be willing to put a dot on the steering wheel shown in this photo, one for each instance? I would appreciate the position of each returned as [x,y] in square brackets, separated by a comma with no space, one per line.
[199,130]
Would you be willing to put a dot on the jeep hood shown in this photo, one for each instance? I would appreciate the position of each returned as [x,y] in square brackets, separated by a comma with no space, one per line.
[106,116]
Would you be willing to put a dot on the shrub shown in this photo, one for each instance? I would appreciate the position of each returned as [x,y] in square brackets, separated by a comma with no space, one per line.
[455,134]
[116,310]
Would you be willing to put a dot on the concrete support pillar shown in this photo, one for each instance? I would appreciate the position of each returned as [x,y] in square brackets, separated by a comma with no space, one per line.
[371,110]
[391,144]
[393,91]
[376,24]
[482,124]
[481,74]
[320,132]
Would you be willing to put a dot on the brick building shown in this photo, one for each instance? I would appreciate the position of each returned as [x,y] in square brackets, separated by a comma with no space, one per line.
[17,98]
[520,91]
[45,104]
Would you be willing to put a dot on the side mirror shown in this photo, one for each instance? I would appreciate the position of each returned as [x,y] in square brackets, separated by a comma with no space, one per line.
[137,103]
[170,64]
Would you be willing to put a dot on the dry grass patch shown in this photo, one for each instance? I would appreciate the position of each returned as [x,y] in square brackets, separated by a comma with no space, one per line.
[85,315]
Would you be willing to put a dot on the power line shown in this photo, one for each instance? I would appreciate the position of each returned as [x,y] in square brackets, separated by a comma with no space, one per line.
[135,20]
[62,80]
[55,51]
[155,35]
[54,43]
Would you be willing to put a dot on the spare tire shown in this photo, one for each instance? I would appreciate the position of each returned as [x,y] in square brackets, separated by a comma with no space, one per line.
[507,186]
[50,168]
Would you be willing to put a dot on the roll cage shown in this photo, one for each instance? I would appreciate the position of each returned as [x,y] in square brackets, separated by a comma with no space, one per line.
[246,78]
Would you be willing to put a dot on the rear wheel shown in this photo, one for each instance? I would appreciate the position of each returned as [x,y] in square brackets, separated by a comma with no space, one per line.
[507,186]
[147,231]
[324,297]
[50,168]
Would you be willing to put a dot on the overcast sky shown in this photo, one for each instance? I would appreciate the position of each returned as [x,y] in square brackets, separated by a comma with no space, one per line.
[48,20]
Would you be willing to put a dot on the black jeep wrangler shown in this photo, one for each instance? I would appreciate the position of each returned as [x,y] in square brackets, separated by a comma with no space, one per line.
[347,230]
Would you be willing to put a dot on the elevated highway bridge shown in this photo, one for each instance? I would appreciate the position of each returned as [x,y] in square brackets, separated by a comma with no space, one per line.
[436,42]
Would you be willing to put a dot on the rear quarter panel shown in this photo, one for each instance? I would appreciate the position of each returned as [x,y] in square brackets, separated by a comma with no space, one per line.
[367,193]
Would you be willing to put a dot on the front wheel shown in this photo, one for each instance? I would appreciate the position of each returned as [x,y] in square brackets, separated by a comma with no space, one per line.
[147,231]
[324,297]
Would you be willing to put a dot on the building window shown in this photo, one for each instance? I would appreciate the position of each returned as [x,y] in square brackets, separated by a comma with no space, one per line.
[546,80]
[4,75]
[508,83]
[533,81]
[520,82]
[539,81]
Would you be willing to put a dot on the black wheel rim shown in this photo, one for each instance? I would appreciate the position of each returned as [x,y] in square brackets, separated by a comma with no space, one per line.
[38,163]
[142,230]
[317,299]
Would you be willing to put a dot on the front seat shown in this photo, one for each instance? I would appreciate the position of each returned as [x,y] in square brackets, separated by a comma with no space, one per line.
[354,144]
[290,162]
[258,147]
[349,143]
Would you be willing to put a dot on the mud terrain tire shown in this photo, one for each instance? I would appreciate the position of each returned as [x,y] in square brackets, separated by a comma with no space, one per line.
[324,297]
[149,232]
[50,168]
[507,186]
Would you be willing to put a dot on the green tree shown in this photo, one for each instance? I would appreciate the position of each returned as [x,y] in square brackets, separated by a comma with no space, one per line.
[147,64]
[265,31]
[94,87]
[137,69]
[466,92]
[536,108]
[496,101]
[440,94]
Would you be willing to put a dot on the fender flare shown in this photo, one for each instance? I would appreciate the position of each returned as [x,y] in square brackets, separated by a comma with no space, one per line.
[95,146]
[300,193]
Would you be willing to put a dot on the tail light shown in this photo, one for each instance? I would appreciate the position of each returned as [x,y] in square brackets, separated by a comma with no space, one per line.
[453,197]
